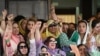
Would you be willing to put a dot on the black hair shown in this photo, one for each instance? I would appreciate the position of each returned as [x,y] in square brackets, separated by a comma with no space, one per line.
[46,42]
[82,21]
[95,22]
[86,50]
[18,18]
[73,25]
[15,23]
[81,45]
[43,47]
[42,22]
[70,30]
[64,23]
[18,49]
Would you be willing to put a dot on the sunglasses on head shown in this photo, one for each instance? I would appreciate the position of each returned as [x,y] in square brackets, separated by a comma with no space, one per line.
[53,24]
[21,47]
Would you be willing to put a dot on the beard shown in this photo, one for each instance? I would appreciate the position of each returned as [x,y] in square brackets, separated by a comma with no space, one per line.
[70,32]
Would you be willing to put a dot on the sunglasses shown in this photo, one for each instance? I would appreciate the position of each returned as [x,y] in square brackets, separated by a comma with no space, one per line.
[53,24]
[21,47]
[53,41]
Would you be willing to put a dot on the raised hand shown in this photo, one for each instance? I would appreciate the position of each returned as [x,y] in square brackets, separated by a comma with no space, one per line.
[88,43]
[75,50]
[52,13]
[89,36]
[4,13]
[52,9]
[3,23]
[45,25]
[54,16]
[60,29]
[33,29]
[10,17]
[38,25]
[37,31]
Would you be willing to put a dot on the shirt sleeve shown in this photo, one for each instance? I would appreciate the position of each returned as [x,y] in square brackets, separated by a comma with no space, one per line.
[62,53]
[32,48]
[64,41]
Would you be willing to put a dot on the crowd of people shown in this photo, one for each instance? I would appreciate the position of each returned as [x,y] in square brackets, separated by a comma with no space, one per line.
[21,36]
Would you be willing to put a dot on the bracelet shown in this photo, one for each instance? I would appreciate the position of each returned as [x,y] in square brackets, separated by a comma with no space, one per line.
[8,40]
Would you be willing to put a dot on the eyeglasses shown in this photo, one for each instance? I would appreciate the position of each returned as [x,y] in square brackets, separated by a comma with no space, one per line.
[53,41]
[21,47]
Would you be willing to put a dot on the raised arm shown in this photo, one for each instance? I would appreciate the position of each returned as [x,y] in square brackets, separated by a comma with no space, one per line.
[3,23]
[37,32]
[7,36]
[32,42]
[43,27]
[53,14]
[89,40]
[75,50]
[8,31]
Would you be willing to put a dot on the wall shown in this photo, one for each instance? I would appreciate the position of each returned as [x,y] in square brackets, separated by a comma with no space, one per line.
[66,3]
[98,3]
[2,5]
[26,8]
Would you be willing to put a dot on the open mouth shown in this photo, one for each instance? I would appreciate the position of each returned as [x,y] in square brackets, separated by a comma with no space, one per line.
[52,44]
